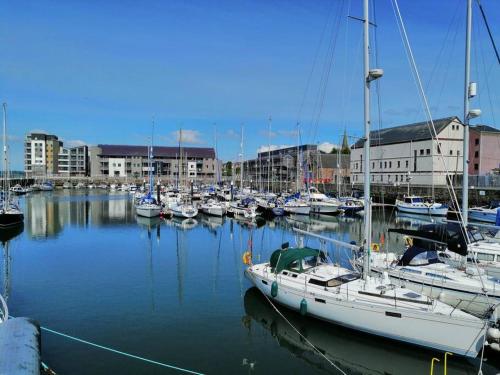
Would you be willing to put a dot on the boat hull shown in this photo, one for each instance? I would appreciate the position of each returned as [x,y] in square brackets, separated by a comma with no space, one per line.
[298,210]
[11,219]
[438,332]
[433,211]
[213,211]
[148,211]
[485,215]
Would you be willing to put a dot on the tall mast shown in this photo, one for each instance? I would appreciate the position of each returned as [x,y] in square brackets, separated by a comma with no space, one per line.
[241,160]
[150,159]
[5,161]
[216,161]
[369,75]
[467,96]
[269,155]
[297,174]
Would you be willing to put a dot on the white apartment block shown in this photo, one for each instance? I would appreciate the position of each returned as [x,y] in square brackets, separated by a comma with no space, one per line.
[409,152]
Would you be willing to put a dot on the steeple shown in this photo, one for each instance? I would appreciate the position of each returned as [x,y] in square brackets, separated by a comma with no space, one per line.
[345,144]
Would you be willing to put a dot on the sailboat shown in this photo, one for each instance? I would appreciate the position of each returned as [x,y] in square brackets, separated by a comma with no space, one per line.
[304,279]
[10,213]
[148,206]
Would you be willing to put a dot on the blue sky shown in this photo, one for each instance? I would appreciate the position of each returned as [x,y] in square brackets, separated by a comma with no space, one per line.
[99,71]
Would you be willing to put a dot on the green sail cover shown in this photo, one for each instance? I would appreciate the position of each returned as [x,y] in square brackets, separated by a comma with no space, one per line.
[281,259]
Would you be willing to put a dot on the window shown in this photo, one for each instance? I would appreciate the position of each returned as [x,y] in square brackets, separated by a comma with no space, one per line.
[399,164]
[476,154]
[380,165]
[476,141]
[421,151]
[396,178]
[458,152]
[476,167]
[381,178]
[373,165]
[385,164]
[406,163]
[439,148]
[428,151]
[485,257]
[356,165]
[451,152]
[390,164]
[401,177]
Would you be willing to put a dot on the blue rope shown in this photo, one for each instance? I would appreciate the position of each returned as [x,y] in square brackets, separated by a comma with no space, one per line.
[120,352]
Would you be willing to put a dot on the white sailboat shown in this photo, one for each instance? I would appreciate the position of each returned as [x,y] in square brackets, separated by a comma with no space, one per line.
[303,279]
[148,206]
[213,208]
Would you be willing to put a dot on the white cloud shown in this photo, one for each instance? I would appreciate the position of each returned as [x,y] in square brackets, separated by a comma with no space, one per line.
[266,148]
[327,147]
[74,143]
[188,136]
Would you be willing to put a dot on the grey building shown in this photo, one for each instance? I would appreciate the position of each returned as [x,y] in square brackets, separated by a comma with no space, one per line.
[74,161]
[171,164]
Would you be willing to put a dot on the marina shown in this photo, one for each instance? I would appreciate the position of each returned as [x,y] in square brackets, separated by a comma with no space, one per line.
[153,287]
[194,207]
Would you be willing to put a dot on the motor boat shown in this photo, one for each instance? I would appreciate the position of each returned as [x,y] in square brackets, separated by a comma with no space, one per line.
[414,204]
[213,208]
[321,204]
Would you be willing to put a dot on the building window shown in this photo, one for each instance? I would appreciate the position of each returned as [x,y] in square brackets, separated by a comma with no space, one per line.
[396,178]
[380,165]
[399,163]
[356,165]
[373,165]
[421,151]
[476,141]
[451,152]
[428,151]
[439,148]
[381,178]
[385,164]
[476,167]
[458,151]
[401,178]
[390,164]
[476,154]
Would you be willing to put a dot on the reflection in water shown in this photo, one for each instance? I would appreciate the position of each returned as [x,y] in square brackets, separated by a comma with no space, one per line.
[152,225]
[48,213]
[6,235]
[353,352]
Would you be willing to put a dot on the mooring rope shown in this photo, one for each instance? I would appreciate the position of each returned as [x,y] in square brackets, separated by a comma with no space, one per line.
[120,352]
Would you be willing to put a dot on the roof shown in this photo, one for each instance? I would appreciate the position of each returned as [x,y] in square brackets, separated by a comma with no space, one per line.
[281,259]
[485,128]
[405,133]
[165,152]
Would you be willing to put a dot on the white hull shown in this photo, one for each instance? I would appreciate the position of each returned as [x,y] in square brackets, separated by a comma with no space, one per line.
[298,210]
[324,208]
[148,211]
[441,211]
[458,335]
[213,211]
[184,212]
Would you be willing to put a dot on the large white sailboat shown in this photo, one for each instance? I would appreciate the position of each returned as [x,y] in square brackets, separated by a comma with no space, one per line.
[302,279]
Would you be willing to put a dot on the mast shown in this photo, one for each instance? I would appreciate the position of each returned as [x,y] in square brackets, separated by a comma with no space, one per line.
[5,161]
[150,160]
[369,75]
[269,154]
[216,161]
[467,96]
[241,160]
[297,174]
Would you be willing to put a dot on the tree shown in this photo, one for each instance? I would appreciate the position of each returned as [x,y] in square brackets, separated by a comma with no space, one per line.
[229,169]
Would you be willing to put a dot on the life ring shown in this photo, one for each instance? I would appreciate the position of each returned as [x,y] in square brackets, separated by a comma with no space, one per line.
[375,247]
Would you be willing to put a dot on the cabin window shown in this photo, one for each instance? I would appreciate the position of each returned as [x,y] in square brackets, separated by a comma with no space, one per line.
[294,266]
[317,282]
[485,257]
[407,200]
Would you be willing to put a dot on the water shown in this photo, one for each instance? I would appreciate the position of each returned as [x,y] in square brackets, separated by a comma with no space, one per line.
[175,292]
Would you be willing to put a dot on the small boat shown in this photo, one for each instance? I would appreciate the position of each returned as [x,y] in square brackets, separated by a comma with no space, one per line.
[297,206]
[321,204]
[102,186]
[148,207]
[213,208]
[18,190]
[67,185]
[80,185]
[183,210]
[486,214]
[351,206]
[414,204]
[244,209]
[46,186]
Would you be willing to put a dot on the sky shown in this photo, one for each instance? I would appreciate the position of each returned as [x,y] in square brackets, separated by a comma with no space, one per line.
[104,71]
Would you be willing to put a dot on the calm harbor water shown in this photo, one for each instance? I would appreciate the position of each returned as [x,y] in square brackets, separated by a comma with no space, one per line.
[174,291]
